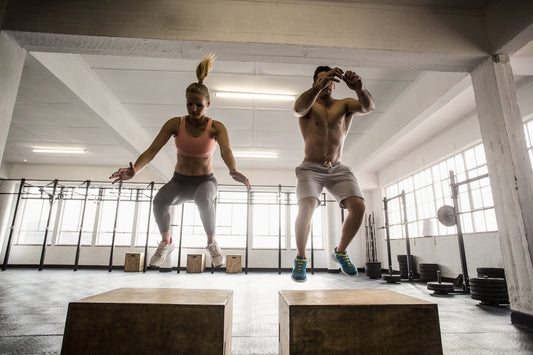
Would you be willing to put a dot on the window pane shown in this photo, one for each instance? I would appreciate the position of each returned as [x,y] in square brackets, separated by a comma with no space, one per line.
[154,237]
[71,220]
[429,189]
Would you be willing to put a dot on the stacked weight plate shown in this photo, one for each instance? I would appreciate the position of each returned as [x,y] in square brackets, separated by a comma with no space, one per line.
[428,272]
[489,287]
[402,261]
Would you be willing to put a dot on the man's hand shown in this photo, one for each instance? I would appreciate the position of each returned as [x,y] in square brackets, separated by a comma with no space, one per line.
[353,81]
[124,173]
[326,77]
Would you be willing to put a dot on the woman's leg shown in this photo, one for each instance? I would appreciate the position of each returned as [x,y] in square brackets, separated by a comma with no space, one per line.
[204,198]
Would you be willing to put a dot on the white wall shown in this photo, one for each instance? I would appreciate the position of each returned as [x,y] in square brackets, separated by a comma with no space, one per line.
[482,250]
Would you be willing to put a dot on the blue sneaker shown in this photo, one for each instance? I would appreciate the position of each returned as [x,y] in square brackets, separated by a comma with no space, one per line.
[347,268]
[298,273]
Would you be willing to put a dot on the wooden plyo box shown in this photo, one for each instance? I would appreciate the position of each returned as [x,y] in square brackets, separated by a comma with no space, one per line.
[195,263]
[150,321]
[233,264]
[357,322]
[133,262]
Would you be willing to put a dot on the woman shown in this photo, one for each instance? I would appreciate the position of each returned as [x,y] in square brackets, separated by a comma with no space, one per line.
[195,136]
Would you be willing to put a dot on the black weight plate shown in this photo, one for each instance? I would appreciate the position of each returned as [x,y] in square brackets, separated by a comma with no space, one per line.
[493,272]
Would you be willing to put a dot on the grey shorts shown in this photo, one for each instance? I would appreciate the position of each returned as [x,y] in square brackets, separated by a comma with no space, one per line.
[339,180]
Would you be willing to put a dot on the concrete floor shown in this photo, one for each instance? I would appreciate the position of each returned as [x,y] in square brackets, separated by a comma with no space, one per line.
[33,307]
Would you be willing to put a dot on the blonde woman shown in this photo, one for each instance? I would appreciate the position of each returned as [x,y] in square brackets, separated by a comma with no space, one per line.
[195,136]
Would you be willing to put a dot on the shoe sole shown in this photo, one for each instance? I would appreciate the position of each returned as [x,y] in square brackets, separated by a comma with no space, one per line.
[221,263]
[335,260]
[293,279]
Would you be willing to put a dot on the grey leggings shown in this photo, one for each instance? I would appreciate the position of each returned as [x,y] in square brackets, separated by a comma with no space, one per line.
[201,189]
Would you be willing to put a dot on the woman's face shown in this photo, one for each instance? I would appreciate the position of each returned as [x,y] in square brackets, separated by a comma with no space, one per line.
[197,105]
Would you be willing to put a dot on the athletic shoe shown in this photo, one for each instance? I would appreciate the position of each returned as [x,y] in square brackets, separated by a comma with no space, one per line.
[298,273]
[347,268]
[161,253]
[217,258]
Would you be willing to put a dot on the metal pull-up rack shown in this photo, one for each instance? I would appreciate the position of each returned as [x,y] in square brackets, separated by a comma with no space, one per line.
[386,200]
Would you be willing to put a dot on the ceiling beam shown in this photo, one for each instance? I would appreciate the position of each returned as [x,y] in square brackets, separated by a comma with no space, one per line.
[355,33]
[90,93]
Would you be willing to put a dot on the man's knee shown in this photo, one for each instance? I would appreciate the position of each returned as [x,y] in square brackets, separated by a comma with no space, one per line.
[355,205]
[307,205]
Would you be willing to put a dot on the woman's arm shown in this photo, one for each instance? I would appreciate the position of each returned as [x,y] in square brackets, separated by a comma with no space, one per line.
[227,155]
[167,131]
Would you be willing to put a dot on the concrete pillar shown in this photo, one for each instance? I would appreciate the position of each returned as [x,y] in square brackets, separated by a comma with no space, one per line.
[511,178]
[11,63]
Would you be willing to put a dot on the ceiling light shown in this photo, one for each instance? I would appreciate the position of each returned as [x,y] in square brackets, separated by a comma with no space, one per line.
[252,95]
[59,151]
[265,155]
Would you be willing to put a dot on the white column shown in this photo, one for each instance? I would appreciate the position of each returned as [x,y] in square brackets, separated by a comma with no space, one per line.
[9,190]
[510,174]
[11,64]
[334,232]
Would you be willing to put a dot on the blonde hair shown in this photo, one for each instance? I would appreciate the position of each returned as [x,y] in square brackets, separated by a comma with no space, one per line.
[202,71]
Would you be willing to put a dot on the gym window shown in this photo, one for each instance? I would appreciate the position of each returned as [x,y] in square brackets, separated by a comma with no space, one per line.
[427,190]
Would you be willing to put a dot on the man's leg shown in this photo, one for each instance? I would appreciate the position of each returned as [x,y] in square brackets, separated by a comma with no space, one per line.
[352,222]
[306,208]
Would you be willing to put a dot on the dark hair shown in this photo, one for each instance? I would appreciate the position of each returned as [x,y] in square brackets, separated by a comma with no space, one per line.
[202,70]
[320,69]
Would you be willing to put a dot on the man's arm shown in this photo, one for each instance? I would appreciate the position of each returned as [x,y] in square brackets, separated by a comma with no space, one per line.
[305,101]
[366,103]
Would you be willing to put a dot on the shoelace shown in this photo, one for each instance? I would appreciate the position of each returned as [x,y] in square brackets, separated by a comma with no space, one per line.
[345,258]
[299,264]
[214,251]
[159,249]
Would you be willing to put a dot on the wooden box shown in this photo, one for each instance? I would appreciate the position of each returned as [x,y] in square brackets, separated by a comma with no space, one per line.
[357,322]
[195,262]
[150,321]
[233,264]
[133,262]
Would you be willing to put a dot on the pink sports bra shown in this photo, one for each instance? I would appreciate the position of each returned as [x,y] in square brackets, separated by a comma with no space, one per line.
[201,146]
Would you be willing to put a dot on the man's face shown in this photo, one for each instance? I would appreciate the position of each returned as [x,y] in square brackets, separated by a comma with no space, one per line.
[328,89]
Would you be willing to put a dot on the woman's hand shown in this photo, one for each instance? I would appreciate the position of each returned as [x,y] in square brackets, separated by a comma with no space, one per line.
[124,173]
[240,178]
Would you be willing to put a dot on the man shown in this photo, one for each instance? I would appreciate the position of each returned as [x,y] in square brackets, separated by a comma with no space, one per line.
[324,123]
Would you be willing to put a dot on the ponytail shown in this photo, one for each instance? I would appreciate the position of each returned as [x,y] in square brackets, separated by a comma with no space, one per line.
[202,71]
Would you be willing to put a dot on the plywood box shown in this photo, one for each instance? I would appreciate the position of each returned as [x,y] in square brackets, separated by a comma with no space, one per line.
[195,263]
[133,262]
[233,264]
[150,321]
[356,322]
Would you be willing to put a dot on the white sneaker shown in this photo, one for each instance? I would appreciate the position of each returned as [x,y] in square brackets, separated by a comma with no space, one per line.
[162,252]
[217,258]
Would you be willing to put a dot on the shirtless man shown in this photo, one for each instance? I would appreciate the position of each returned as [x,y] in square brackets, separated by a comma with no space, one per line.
[324,123]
